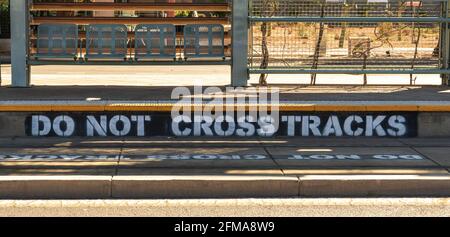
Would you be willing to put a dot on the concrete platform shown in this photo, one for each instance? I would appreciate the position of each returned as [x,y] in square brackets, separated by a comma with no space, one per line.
[424,119]
[155,83]
[425,109]
[206,157]
[66,75]
[185,168]
[288,93]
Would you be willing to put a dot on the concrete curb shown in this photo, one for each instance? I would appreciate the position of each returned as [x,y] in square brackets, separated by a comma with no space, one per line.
[213,186]
[203,186]
[64,187]
[375,186]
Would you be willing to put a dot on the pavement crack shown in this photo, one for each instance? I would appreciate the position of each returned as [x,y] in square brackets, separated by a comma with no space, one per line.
[116,169]
[271,157]
[122,147]
[428,157]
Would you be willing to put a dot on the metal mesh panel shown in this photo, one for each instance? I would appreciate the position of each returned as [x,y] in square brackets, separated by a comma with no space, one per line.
[106,41]
[57,41]
[353,45]
[204,41]
[345,45]
[155,41]
[351,8]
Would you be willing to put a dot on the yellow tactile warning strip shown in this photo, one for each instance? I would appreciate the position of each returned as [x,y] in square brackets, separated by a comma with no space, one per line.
[167,107]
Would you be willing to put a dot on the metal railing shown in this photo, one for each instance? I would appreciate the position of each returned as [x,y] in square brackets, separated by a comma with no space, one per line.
[267,36]
[155,41]
[148,30]
[57,41]
[348,37]
[204,41]
[111,41]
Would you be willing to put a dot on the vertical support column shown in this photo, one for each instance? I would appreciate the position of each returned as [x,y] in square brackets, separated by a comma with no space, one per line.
[239,67]
[445,43]
[19,43]
[446,77]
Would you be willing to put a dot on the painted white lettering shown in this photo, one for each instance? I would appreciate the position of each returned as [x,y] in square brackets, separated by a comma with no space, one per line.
[375,124]
[231,126]
[385,157]
[332,127]
[348,157]
[95,127]
[322,157]
[255,157]
[411,157]
[69,126]
[267,126]
[314,123]
[291,124]
[114,128]
[176,121]
[398,127]
[204,157]
[203,124]
[140,123]
[247,129]
[348,124]
[37,129]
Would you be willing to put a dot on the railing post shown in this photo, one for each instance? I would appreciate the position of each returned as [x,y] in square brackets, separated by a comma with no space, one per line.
[239,67]
[445,43]
[19,43]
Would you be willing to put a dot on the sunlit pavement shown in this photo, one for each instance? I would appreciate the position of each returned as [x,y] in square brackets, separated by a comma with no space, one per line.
[230,208]
[187,75]
[226,168]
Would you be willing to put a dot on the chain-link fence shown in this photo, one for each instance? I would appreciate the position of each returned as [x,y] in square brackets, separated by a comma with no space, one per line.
[339,35]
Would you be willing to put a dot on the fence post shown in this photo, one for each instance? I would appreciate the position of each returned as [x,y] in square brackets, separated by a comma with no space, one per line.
[446,77]
[19,43]
[445,43]
[239,67]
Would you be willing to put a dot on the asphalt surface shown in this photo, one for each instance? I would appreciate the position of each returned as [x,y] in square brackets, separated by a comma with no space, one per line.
[229,208]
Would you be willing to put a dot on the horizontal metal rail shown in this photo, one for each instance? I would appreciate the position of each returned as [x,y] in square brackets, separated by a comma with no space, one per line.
[215,7]
[128,63]
[129,20]
[180,35]
[351,19]
[180,48]
[349,71]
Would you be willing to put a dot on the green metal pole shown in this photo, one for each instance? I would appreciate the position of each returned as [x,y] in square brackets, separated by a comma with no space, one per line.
[446,44]
[19,43]
[239,67]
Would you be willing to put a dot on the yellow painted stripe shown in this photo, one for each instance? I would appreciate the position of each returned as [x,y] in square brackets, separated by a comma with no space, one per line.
[75,108]
[25,108]
[169,107]
[340,108]
[434,108]
[401,108]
